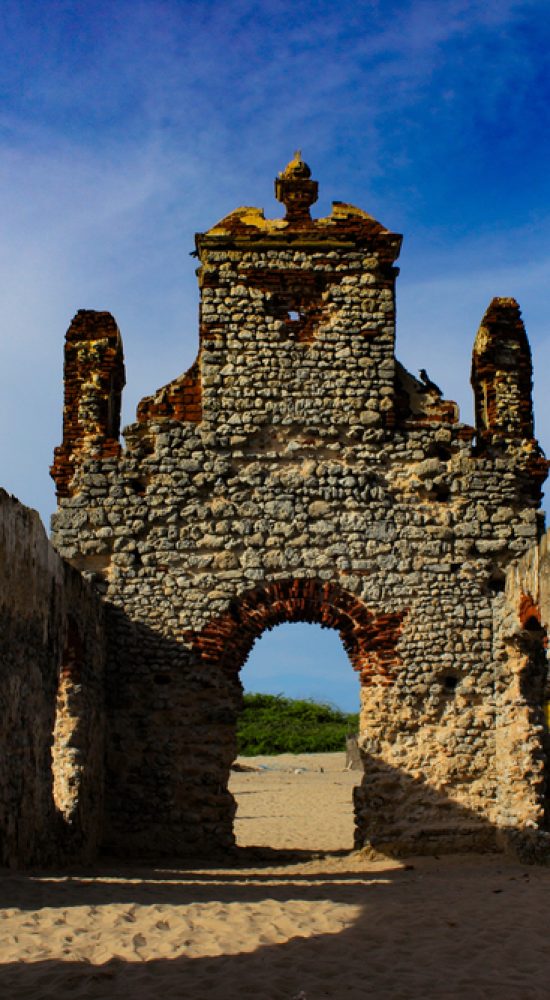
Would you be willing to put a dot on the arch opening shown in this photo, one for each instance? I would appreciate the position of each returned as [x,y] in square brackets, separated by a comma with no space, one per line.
[290,782]
[223,646]
[370,641]
[304,661]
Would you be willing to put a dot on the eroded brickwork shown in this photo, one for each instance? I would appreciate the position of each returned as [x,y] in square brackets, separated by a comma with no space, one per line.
[93,378]
[298,472]
[501,375]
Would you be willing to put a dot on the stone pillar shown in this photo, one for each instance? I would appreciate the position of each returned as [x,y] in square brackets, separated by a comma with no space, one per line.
[94,378]
[502,376]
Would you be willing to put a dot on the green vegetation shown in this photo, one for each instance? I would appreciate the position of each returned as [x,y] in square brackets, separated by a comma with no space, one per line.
[272,724]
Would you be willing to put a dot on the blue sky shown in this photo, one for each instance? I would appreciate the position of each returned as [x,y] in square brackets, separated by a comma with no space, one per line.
[127,126]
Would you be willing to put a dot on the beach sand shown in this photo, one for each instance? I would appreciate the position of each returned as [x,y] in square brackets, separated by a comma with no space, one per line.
[292,916]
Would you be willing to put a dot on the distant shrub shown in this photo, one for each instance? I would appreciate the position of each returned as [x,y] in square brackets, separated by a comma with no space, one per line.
[272,724]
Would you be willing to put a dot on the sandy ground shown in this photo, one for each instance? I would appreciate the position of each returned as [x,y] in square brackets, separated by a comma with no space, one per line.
[316,923]
[295,802]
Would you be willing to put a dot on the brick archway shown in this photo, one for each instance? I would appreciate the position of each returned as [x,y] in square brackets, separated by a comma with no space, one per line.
[223,646]
[369,640]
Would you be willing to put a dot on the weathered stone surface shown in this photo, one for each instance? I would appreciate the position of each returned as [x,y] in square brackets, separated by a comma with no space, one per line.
[298,472]
[51,699]
[94,380]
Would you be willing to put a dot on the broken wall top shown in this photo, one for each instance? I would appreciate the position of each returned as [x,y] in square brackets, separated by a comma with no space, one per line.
[297,329]
[346,226]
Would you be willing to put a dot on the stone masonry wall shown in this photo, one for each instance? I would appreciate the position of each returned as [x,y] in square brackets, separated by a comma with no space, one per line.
[298,472]
[51,660]
[528,586]
[522,618]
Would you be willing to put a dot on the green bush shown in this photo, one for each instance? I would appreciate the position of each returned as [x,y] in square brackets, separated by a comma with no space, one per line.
[272,724]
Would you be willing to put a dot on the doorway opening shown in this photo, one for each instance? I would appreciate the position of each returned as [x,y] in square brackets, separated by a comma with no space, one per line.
[224,645]
[290,781]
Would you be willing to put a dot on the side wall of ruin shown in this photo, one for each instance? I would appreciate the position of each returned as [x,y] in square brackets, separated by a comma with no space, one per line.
[528,584]
[51,699]
[522,619]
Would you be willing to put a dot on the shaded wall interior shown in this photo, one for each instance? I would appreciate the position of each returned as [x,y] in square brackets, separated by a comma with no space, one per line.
[51,699]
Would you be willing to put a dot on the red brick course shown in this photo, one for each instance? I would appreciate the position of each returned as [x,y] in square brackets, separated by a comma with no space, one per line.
[370,641]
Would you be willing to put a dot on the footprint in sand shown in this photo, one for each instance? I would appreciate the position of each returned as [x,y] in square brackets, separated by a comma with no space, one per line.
[139,942]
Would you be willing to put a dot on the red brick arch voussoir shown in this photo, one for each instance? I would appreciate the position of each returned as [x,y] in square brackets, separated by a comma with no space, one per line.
[369,640]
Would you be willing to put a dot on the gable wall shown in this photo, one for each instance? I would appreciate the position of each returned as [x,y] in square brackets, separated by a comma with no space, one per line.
[315,458]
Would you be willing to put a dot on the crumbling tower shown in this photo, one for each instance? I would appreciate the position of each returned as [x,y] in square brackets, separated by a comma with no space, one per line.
[94,379]
[502,380]
[502,376]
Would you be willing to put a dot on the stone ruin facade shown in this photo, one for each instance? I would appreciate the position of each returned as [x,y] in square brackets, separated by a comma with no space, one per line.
[297,472]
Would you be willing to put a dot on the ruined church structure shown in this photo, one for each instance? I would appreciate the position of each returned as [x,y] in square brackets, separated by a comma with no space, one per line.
[296,472]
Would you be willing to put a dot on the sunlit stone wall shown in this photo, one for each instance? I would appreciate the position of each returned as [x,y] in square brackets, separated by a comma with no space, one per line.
[298,472]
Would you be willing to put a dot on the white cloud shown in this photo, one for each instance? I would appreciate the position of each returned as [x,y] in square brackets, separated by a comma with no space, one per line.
[130,129]
[128,126]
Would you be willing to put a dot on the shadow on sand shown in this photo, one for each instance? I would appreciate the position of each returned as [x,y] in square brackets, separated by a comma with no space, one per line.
[327,925]
[436,928]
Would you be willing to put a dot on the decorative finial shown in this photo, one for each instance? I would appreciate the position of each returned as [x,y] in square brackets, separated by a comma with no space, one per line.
[295,190]
[296,167]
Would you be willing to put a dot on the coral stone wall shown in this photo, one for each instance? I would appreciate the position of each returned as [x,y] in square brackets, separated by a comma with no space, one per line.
[522,619]
[51,787]
[298,472]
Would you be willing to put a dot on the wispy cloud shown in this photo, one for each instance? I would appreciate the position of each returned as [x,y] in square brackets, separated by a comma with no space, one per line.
[127,127]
